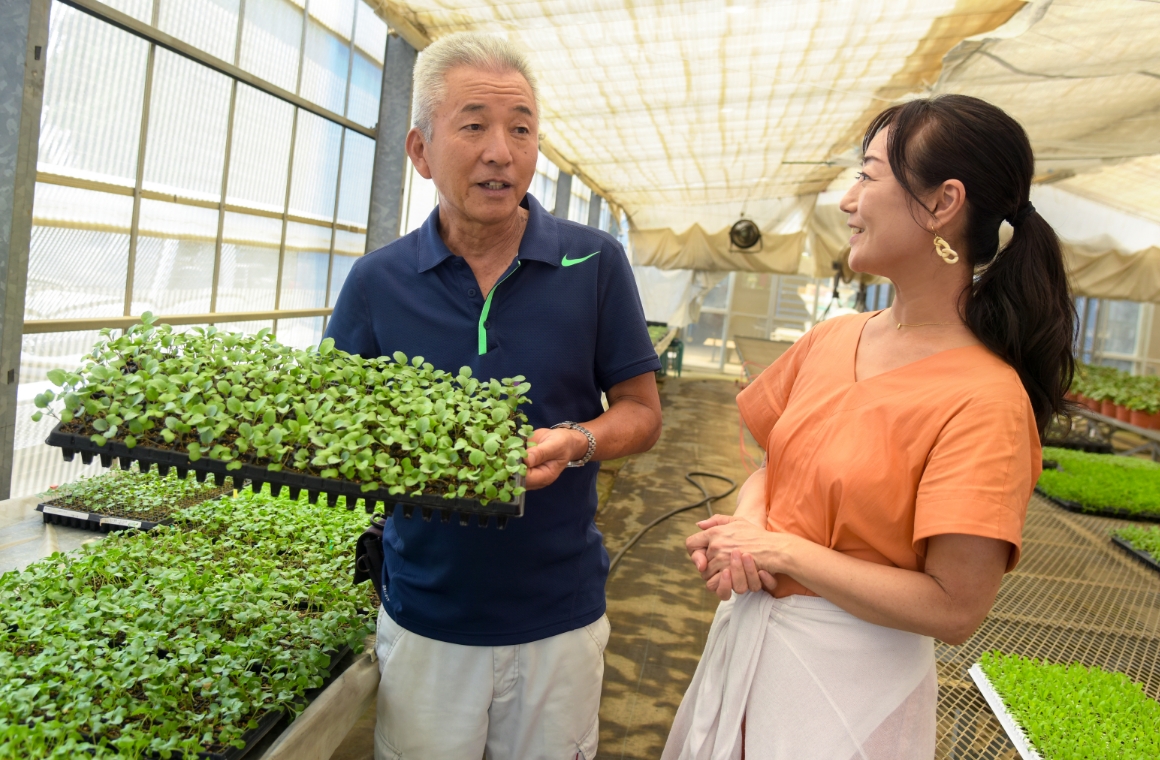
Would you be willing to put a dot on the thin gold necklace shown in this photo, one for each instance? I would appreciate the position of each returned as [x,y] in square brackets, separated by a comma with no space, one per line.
[900,325]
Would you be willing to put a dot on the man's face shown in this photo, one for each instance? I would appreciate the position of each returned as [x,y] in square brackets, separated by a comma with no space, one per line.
[484,144]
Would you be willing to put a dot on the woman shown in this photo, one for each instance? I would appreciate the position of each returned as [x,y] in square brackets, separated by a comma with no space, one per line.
[902,449]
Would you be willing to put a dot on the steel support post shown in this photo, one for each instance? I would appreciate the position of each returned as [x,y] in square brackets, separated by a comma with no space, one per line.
[290,167]
[143,135]
[23,50]
[594,210]
[341,160]
[217,246]
[728,318]
[389,177]
[1081,349]
[563,194]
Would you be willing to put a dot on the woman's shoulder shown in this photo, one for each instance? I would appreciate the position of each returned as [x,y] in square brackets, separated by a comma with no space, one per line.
[983,378]
[835,327]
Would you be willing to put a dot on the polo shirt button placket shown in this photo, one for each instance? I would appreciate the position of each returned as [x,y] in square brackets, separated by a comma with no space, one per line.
[471,293]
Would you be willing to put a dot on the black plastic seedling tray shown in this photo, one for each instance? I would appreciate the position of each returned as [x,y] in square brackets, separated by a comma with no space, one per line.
[72,444]
[1080,509]
[59,514]
[1143,556]
[71,518]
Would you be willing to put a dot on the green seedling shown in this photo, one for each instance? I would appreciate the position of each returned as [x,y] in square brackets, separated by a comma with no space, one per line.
[1136,392]
[179,639]
[396,424]
[1103,481]
[133,494]
[1142,539]
[656,333]
[1070,712]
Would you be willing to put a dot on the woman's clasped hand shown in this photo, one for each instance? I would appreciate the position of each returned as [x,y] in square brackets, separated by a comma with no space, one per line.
[733,554]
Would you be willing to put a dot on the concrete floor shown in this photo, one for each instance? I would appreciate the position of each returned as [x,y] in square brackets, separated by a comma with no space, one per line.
[659,608]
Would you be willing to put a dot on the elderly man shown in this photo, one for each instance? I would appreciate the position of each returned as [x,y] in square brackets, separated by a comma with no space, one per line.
[491,643]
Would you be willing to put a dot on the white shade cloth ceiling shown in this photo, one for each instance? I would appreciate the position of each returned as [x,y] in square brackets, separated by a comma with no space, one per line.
[688,115]
[670,107]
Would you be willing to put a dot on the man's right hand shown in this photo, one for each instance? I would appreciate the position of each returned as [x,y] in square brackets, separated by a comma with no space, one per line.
[553,451]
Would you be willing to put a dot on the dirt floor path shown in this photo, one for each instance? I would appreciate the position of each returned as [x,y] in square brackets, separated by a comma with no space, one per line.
[659,608]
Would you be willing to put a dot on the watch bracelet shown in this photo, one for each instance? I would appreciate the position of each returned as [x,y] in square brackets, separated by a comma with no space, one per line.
[587,434]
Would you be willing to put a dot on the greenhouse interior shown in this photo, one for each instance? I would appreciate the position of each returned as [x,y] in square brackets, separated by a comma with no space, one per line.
[859,306]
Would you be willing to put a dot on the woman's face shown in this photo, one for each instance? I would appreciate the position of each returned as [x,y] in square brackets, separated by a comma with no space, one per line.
[887,238]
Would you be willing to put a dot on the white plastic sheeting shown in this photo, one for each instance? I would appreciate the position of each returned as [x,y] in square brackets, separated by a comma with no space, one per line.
[672,111]
[778,252]
[689,117]
[1109,253]
[1084,80]
[673,296]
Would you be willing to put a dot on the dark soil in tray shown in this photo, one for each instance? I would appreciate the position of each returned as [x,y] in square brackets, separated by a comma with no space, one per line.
[1143,556]
[73,443]
[1119,514]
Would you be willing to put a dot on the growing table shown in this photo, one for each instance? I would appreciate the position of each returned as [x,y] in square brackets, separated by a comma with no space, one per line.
[1101,427]
[315,733]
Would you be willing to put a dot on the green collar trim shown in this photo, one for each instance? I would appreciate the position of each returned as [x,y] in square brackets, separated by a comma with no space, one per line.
[487,310]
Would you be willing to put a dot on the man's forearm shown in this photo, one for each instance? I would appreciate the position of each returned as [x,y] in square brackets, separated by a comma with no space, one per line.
[628,427]
[631,425]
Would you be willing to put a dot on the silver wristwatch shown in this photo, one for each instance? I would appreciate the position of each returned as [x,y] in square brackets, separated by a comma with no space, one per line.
[587,434]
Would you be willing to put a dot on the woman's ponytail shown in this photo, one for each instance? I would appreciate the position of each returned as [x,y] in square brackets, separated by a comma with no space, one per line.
[1020,307]
[1019,304]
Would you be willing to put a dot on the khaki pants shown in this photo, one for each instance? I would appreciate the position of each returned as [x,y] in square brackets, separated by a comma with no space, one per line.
[535,701]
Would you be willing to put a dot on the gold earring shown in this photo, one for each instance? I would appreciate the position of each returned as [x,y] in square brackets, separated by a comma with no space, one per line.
[944,250]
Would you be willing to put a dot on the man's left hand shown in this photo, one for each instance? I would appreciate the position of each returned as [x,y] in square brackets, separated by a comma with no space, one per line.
[553,451]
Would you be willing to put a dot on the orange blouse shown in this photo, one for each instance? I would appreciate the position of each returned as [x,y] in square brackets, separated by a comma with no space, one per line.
[946,444]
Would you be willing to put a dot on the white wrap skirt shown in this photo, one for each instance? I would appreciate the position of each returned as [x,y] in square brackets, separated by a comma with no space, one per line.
[809,680]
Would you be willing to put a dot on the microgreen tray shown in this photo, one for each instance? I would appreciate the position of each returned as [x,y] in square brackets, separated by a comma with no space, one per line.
[1121,514]
[339,660]
[1143,556]
[995,702]
[268,722]
[71,518]
[72,444]
[76,505]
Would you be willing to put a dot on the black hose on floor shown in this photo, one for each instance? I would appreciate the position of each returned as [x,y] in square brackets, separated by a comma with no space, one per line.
[707,502]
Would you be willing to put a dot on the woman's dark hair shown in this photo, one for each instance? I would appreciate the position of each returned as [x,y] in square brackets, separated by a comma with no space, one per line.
[1019,304]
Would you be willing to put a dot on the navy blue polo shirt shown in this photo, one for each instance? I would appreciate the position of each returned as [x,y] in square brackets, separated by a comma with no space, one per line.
[567,316]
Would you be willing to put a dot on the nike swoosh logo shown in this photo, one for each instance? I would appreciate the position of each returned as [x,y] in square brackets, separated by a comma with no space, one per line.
[567,262]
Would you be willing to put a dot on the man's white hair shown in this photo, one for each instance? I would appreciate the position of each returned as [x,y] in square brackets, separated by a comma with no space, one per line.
[480,51]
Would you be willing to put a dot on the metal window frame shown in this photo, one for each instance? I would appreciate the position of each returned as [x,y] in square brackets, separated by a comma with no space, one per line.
[114,189]
[42,326]
[341,160]
[217,248]
[23,63]
[290,163]
[139,175]
[156,38]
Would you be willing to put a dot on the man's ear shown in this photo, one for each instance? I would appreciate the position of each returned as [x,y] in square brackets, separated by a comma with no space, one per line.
[417,150]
